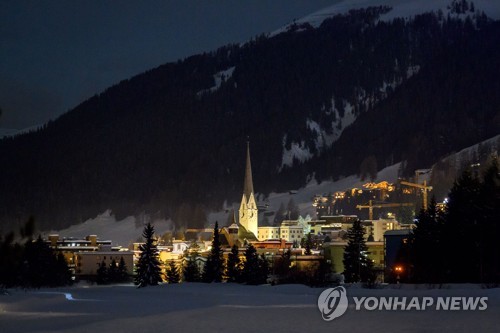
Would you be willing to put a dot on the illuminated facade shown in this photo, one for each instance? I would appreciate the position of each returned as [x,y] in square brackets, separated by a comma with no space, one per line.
[87,263]
[248,213]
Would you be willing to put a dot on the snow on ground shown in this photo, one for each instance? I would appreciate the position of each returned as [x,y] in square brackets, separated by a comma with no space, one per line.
[219,78]
[400,8]
[106,227]
[193,307]
[301,153]
[303,197]
[467,153]
[298,151]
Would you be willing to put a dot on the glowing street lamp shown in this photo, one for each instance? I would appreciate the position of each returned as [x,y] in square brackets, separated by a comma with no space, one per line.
[399,270]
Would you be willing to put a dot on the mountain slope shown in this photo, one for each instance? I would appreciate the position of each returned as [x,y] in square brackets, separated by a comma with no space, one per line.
[171,141]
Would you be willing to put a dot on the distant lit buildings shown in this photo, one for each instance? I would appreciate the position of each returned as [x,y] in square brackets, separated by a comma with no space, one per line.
[84,255]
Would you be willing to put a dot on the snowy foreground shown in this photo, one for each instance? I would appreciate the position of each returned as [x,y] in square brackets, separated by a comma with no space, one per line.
[232,308]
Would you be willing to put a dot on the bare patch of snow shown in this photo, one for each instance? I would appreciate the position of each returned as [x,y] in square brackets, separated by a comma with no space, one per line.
[297,151]
[219,78]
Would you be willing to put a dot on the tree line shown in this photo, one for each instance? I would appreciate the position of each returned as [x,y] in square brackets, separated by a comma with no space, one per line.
[250,269]
[460,244]
[31,263]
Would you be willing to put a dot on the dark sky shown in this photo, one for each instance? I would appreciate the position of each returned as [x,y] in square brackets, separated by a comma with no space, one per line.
[55,54]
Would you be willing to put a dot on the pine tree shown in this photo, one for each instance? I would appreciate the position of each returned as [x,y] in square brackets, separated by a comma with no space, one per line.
[472,216]
[63,274]
[427,247]
[461,227]
[263,269]
[102,274]
[489,225]
[233,270]
[282,266]
[191,271]
[113,272]
[255,269]
[41,266]
[214,267]
[321,275]
[357,266]
[10,261]
[122,273]
[148,271]
[308,245]
[173,275]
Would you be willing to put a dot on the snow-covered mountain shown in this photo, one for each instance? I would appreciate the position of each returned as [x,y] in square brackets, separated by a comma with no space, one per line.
[407,9]
[126,231]
[317,103]
[399,8]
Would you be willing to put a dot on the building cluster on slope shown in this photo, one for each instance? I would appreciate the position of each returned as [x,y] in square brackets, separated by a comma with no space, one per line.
[328,237]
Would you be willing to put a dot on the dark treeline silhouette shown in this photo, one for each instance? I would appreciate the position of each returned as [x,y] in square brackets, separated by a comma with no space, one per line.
[165,142]
[459,245]
[31,263]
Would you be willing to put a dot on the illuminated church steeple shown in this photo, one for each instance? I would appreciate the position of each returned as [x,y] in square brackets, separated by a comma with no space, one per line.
[248,207]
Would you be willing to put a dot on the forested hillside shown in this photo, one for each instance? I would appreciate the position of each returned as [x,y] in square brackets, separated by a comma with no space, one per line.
[171,141]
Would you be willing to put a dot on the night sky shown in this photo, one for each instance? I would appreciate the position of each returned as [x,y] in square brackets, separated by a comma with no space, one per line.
[56,54]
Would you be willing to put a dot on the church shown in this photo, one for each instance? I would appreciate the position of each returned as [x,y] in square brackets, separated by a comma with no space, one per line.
[248,213]
[248,230]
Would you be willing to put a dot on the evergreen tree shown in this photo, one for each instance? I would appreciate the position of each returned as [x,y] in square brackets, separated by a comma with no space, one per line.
[173,275]
[426,246]
[28,229]
[471,218]
[191,271]
[255,268]
[233,270]
[283,266]
[489,225]
[10,261]
[122,273]
[357,266]
[214,267]
[263,269]
[113,272]
[41,266]
[148,271]
[102,274]
[250,273]
[63,275]
[321,275]
[461,227]
[308,245]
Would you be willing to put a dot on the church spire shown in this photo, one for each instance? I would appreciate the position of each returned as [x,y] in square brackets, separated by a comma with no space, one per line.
[249,213]
[248,186]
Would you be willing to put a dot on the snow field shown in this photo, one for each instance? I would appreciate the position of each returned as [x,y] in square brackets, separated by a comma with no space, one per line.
[197,307]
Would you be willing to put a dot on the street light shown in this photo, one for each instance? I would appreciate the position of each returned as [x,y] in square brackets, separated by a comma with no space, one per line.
[399,270]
